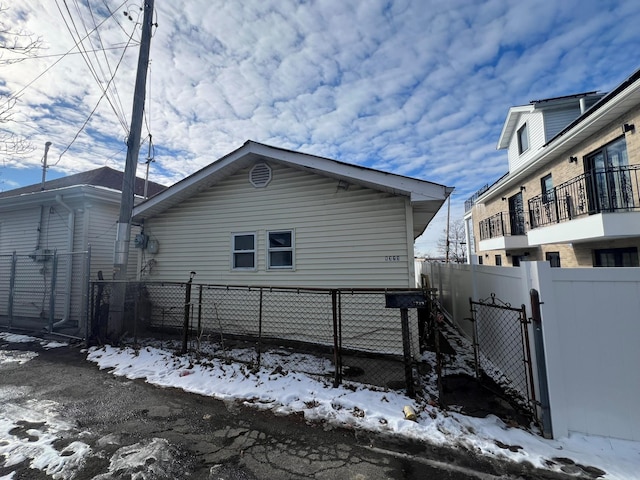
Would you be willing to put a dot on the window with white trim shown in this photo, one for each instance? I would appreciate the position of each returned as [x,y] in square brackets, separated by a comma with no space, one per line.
[523,139]
[244,251]
[280,245]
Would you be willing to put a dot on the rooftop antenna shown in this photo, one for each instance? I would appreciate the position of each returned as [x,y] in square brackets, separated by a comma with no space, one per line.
[44,164]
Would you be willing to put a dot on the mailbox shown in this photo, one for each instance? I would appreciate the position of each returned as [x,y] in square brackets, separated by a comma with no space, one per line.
[410,299]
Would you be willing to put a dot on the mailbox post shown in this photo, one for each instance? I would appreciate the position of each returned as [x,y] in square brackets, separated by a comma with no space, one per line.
[404,300]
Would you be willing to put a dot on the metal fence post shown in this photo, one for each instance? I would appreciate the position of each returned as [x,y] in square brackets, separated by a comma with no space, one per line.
[536,316]
[259,346]
[474,339]
[187,304]
[88,295]
[337,354]
[12,286]
[406,350]
[52,298]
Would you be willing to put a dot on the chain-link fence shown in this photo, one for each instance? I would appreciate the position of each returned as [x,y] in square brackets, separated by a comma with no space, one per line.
[351,331]
[502,348]
[46,290]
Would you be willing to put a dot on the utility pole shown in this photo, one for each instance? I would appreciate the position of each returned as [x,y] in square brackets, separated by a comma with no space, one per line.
[116,326]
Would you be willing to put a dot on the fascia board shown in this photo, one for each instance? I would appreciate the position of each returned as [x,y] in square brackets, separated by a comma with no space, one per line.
[417,190]
[513,117]
[74,192]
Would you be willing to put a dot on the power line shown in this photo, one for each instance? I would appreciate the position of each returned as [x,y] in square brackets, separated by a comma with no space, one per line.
[104,93]
[17,94]
[85,56]
[39,57]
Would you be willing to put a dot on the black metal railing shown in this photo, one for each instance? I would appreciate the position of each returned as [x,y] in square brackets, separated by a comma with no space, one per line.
[598,191]
[472,199]
[502,224]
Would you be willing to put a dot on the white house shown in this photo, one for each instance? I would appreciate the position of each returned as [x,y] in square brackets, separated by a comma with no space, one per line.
[268,216]
[64,218]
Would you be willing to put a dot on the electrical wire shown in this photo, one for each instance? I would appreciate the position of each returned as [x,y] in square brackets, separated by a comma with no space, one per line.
[39,57]
[85,56]
[16,95]
[106,59]
[91,114]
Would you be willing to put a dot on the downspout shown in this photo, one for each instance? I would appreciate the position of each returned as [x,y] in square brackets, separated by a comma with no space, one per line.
[71,220]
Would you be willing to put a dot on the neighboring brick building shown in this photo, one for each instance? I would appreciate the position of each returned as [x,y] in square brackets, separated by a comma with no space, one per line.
[572,193]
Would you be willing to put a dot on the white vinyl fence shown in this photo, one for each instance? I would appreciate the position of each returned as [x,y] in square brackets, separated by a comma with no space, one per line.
[591,329]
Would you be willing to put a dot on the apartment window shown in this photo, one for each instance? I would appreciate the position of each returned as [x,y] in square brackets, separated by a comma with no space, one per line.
[553,258]
[616,257]
[244,251]
[498,260]
[280,250]
[523,139]
[546,183]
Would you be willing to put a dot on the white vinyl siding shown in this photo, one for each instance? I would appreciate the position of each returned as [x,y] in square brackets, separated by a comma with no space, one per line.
[535,128]
[342,237]
[20,234]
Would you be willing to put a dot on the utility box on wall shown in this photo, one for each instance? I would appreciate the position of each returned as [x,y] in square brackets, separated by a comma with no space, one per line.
[41,255]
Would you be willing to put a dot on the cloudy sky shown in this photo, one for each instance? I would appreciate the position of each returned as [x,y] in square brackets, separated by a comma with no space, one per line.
[420,88]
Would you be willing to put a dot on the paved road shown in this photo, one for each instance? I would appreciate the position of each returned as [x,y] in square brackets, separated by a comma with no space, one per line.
[134,430]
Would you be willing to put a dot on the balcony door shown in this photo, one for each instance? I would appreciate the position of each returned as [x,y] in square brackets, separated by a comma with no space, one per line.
[516,214]
[608,179]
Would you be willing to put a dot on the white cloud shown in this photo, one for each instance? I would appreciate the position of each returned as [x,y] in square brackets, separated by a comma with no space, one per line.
[417,88]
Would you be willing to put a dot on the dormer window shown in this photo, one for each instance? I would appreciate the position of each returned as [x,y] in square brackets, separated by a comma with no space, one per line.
[523,139]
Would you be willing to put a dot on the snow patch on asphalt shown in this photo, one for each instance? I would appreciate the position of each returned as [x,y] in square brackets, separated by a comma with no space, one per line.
[16,357]
[17,338]
[28,433]
[144,460]
[364,407]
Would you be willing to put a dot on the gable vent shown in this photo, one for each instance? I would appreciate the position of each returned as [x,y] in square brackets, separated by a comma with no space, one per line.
[260,175]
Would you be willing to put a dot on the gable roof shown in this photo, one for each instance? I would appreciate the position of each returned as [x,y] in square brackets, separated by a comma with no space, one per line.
[426,197]
[513,117]
[101,177]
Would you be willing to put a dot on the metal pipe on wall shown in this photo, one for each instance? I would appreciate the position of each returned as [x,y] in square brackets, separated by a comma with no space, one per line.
[71,227]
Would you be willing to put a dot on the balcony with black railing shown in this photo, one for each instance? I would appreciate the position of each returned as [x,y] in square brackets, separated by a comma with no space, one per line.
[502,224]
[598,191]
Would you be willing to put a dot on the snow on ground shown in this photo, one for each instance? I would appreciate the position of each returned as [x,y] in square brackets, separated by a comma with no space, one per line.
[17,338]
[29,433]
[281,386]
[284,391]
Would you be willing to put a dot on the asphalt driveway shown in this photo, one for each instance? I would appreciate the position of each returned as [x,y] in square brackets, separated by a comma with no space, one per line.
[98,426]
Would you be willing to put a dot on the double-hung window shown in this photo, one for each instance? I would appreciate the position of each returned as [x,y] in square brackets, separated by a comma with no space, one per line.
[244,251]
[280,245]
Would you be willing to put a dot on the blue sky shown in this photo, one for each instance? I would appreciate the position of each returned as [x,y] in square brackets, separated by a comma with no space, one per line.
[420,88]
